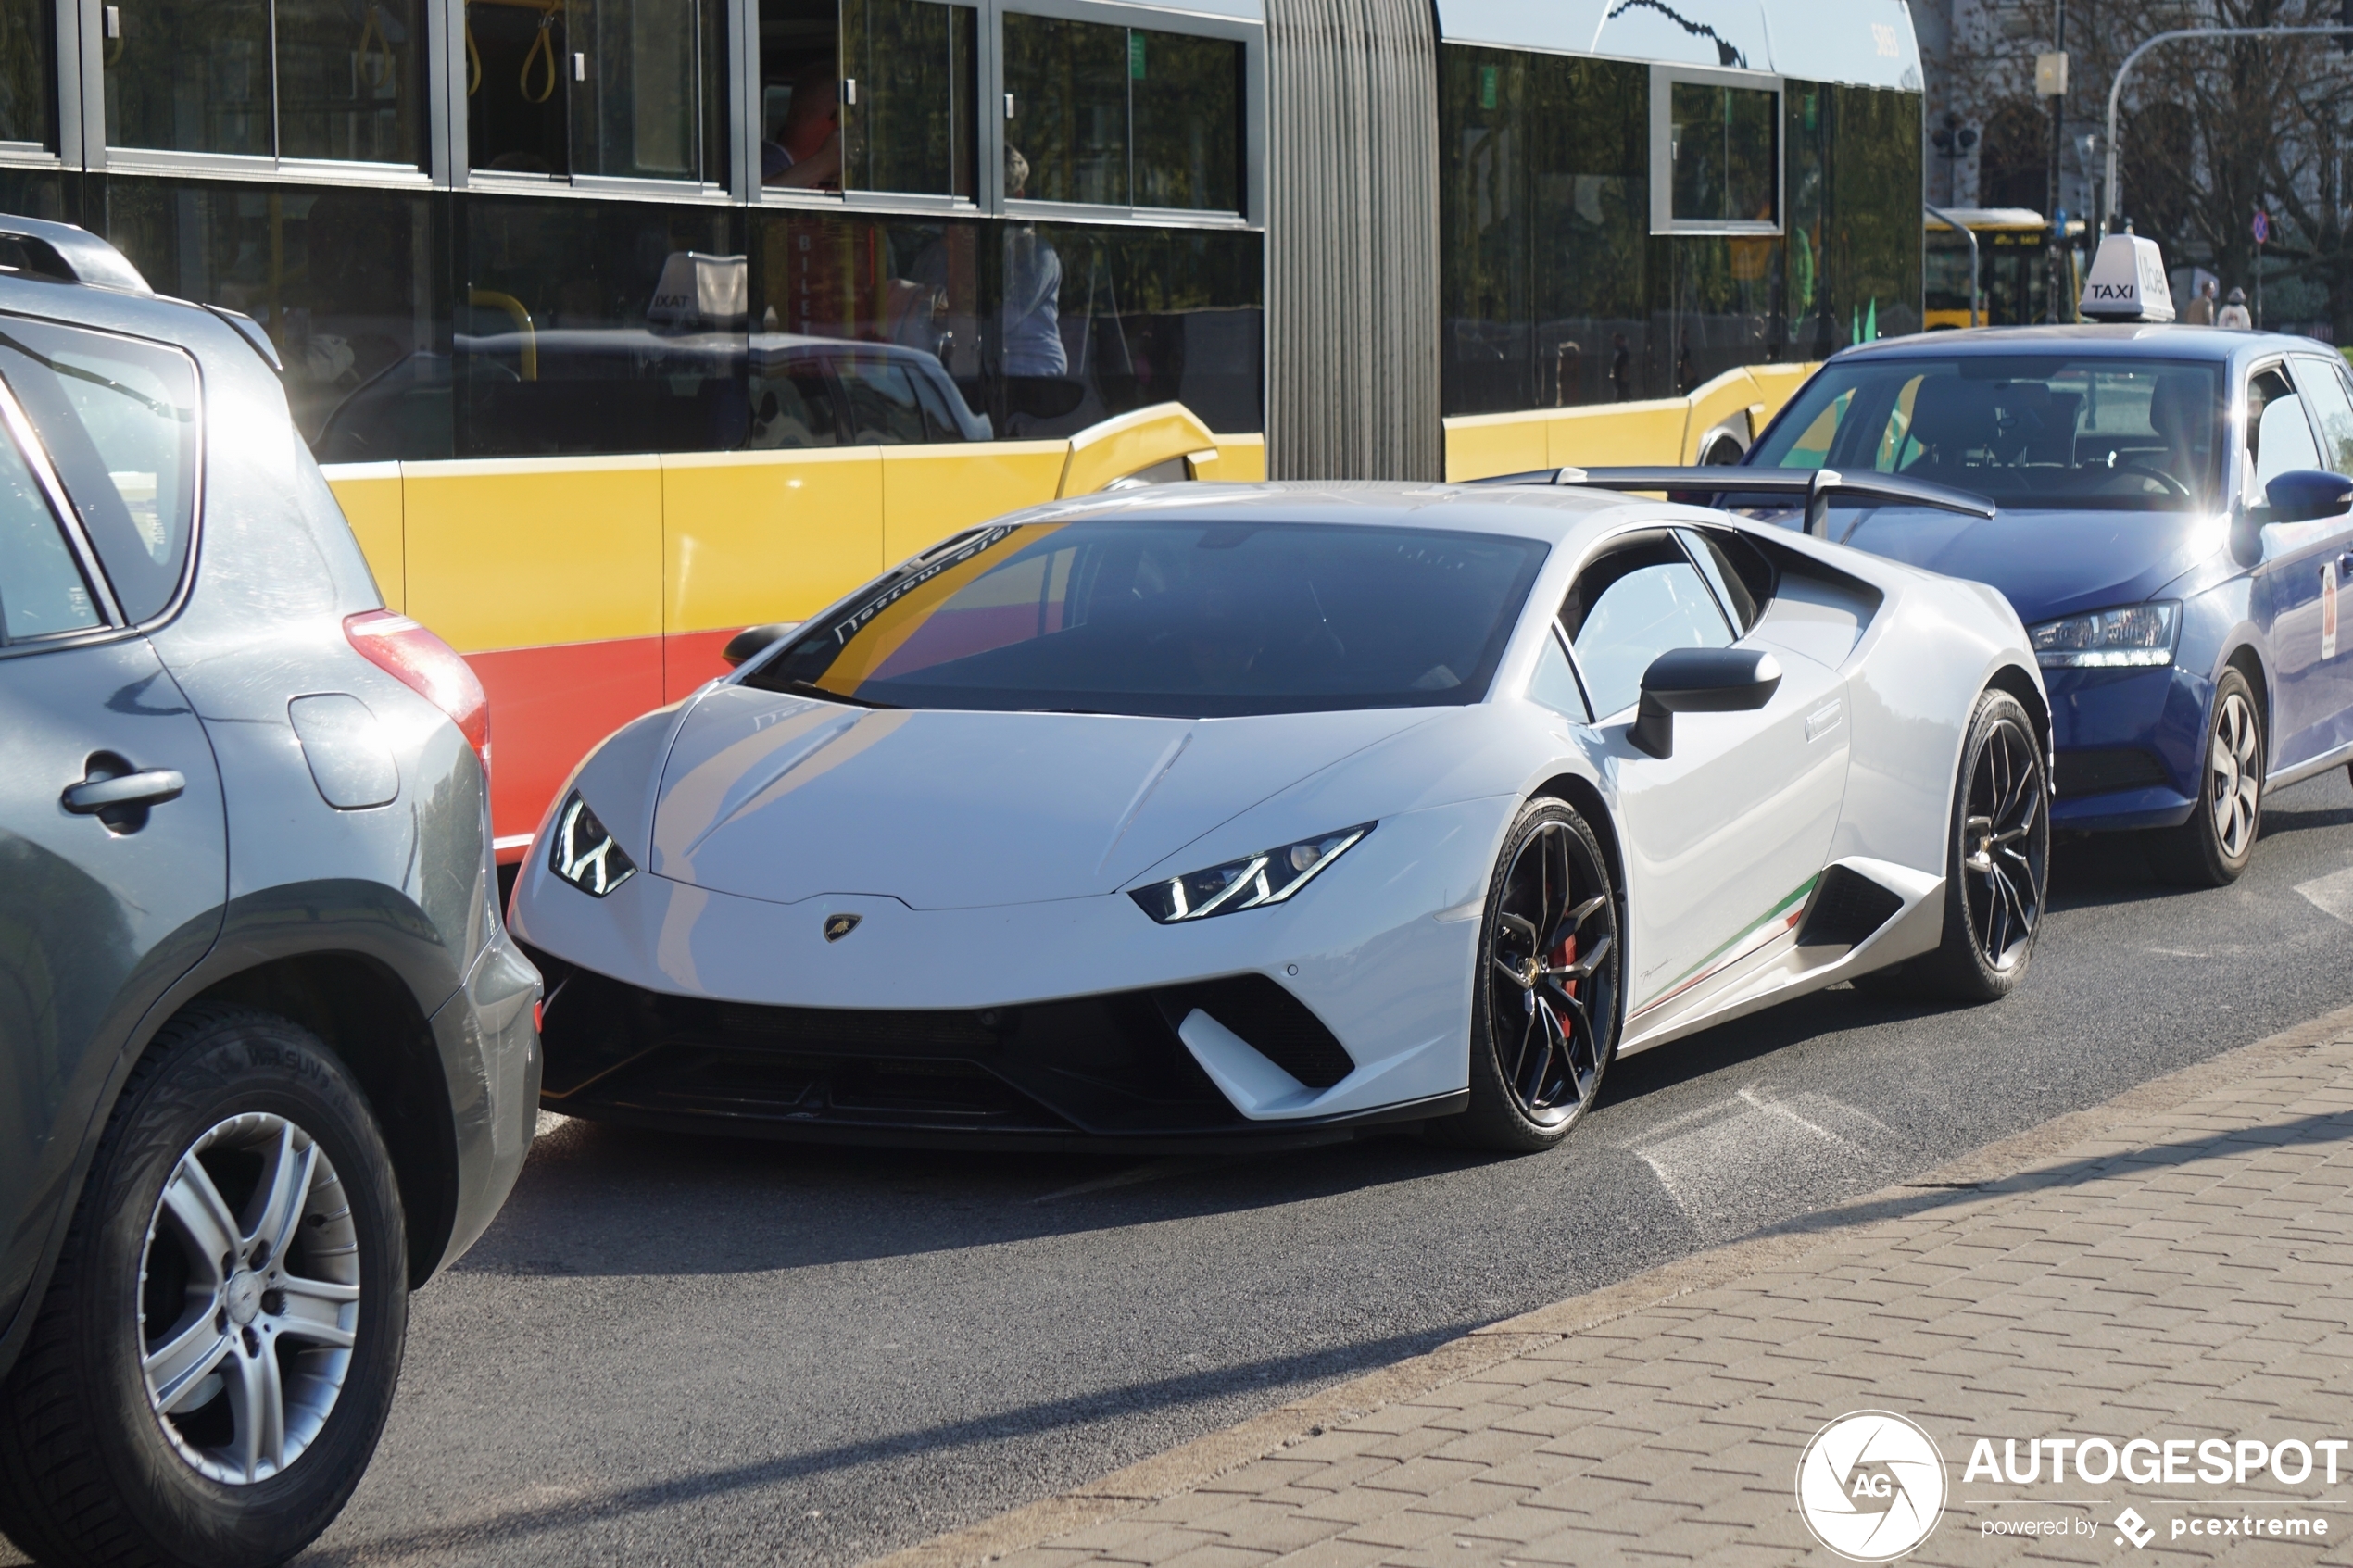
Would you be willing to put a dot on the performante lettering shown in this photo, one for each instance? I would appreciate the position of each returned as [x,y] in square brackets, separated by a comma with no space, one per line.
[855,622]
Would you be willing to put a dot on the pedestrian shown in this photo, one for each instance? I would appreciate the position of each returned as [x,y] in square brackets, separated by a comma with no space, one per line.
[2233,312]
[2199,312]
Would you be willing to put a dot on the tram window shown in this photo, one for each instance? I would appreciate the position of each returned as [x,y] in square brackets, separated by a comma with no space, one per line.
[1723,154]
[28,76]
[190,76]
[1545,261]
[645,83]
[624,89]
[911,126]
[1098,321]
[912,286]
[351,80]
[560,347]
[882,400]
[1187,94]
[343,281]
[197,76]
[1066,138]
[792,403]
[800,71]
[515,98]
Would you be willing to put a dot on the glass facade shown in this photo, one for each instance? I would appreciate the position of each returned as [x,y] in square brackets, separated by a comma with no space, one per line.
[1553,291]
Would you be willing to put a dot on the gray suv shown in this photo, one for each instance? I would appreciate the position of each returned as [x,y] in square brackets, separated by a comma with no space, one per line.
[268,1057]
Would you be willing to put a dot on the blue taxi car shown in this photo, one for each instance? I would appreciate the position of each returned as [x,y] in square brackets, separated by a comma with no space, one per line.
[2173,524]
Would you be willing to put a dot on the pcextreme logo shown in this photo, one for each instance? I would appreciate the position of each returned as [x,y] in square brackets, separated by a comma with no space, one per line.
[1871,1486]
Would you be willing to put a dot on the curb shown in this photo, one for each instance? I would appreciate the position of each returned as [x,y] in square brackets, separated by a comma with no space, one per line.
[1180,1469]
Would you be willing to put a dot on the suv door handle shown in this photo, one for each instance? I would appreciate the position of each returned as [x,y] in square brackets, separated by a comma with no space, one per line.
[151,788]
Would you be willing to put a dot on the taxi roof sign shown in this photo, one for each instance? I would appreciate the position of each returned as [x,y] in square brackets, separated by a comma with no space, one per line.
[2127,281]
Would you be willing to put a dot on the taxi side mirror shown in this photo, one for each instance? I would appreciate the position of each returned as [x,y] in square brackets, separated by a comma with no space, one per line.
[2303,494]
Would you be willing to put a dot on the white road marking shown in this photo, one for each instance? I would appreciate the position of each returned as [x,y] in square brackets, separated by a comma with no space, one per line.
[2331,894]
[1722,1161]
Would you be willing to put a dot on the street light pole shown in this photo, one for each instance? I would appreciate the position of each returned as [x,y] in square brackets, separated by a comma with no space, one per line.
[1970,235]
[2116,88]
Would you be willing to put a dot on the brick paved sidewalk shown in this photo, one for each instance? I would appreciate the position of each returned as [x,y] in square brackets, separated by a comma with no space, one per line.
[2174,1264]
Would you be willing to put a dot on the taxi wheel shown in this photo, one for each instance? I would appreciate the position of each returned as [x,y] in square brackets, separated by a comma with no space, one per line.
[2214,846]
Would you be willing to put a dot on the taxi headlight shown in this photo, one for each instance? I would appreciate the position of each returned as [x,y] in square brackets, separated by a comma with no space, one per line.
[584,854]
[1250,883]
[2135,637]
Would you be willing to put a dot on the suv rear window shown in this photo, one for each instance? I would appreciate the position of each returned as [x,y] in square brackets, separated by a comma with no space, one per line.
[119,418]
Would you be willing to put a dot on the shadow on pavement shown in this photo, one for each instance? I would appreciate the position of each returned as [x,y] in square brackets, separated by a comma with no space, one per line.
[1159,1394]
[2318,1127]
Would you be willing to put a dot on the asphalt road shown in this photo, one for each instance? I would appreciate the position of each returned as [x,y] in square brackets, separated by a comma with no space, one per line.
[700,1351]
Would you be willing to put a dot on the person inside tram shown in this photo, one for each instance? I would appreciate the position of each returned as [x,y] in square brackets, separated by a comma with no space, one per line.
[806,152]
[1033,291]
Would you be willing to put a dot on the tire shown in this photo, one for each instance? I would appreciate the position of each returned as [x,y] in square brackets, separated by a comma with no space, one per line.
[2214,846]
[238,1129]
[1998,857]
[1544,1013]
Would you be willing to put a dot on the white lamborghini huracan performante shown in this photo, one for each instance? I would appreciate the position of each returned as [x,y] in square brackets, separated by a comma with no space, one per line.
[1277,813]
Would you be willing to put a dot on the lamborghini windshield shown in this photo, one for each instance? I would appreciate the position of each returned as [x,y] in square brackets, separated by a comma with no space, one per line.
[1177,619]
[2025,430]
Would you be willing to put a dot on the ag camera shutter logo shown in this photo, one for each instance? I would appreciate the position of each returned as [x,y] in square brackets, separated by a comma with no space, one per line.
[1871,1486]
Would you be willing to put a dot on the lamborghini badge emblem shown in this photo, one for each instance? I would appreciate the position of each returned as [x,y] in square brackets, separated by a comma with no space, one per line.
[839,926]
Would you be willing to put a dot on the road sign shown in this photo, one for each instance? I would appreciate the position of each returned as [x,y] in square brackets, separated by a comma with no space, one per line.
[2262,226]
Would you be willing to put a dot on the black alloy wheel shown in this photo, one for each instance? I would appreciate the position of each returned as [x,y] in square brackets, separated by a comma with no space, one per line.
[2005,844]
[1997,865]
[1545,1009]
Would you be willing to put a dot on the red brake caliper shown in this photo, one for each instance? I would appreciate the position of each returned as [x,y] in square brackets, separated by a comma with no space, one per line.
[1562,959]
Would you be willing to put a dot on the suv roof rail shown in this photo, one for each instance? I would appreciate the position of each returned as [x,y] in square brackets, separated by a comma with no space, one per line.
[65,254]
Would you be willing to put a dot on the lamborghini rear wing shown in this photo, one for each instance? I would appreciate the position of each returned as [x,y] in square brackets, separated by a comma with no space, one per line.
[1815,487]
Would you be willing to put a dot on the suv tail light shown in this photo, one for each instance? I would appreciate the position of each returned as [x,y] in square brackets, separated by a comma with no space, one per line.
[428,666]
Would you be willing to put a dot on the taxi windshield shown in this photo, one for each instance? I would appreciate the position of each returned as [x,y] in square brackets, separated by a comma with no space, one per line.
[2024,431]
[1174,619]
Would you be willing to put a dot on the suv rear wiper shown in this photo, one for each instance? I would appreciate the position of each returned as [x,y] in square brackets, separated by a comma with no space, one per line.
[1817,486]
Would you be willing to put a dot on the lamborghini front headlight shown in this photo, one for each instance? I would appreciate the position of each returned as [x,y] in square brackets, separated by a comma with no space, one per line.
[582,853]
[1250,883]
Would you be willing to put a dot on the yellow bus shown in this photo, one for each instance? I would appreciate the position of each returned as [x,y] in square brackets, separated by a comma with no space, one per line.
[2013,268]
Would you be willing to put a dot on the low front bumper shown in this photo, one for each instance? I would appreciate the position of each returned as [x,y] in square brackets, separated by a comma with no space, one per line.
[2128,744]
[1083,1069]
[1067,1020]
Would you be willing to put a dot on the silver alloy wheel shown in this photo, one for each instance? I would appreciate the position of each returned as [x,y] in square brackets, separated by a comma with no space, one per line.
[2238,775]
[249,1297]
